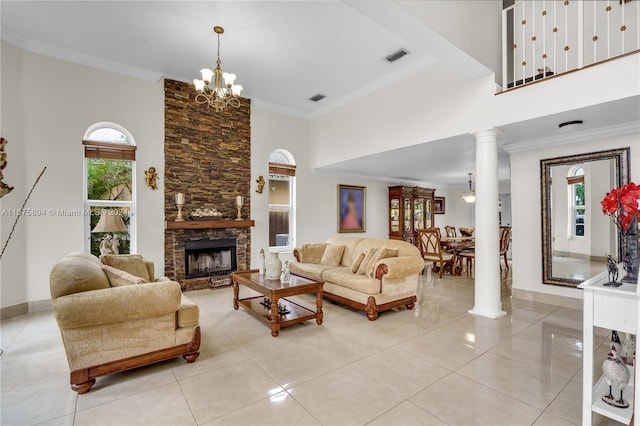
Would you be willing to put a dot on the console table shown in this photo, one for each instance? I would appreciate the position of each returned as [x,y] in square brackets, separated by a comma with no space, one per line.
[614,308]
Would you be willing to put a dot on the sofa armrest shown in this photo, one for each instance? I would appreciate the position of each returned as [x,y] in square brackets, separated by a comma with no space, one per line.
[398,267]
[117,304]
[296,253]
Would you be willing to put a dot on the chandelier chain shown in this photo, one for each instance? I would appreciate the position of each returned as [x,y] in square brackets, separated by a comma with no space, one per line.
[218,63]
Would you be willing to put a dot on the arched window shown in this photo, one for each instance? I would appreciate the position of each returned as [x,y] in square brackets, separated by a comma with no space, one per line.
[282,196]
[109,189]
[575,182]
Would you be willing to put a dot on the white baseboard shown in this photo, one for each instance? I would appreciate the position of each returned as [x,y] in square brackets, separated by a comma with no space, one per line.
[550,299]
[25,308]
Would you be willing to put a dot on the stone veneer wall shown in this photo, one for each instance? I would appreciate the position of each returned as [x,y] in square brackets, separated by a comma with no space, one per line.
[208,158]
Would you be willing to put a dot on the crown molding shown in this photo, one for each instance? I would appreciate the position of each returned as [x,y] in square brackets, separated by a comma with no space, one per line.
[371,178]
[572,138]
[49,50]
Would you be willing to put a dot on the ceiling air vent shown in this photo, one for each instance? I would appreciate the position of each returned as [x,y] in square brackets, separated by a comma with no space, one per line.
[318,97]
[396,55]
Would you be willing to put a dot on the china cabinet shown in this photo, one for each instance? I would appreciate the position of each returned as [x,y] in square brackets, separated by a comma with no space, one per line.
[410,208]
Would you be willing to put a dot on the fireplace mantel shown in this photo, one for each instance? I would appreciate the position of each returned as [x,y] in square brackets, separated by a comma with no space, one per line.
[209,224]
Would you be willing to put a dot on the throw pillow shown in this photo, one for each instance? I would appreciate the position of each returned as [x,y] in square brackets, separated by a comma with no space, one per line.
[356,263]
[312,253]
[383,253]
[365,262]
[131,263]
[119,277]
[332,255]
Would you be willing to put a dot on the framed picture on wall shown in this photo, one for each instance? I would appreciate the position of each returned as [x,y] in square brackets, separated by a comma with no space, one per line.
[351,208]
[438,205]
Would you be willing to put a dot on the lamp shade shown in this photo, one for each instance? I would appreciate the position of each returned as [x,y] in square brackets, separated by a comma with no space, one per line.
[469,197]
[110,222]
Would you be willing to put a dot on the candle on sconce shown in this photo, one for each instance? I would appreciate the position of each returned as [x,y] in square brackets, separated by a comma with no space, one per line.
[180,204]
[239,201]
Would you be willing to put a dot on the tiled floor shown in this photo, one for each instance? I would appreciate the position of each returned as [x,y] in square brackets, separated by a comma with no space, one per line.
[576,269]
[435,365]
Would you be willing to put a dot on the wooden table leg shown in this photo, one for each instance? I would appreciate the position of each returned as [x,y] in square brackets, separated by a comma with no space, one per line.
[275,318]
[236,291]
[319,313]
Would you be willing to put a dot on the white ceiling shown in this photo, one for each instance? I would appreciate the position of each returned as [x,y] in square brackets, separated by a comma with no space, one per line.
[283,52]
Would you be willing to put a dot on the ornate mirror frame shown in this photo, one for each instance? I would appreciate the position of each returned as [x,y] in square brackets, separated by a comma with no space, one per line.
[622,169]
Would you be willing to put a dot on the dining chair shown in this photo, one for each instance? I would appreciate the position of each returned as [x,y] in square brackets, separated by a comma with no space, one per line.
[469,256]
[430,248]
[505,240]
[450,231]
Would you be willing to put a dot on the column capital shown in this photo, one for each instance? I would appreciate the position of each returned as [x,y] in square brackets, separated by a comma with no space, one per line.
[491,134]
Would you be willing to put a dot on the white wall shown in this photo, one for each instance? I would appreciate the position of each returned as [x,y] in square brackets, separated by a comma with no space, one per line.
[424,107]
[66,100]
[316,196]
[525,194]
[13,288]
[436,103]
[457,212]
[472,25]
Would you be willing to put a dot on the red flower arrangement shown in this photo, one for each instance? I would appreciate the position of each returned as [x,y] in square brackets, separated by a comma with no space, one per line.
[622,205]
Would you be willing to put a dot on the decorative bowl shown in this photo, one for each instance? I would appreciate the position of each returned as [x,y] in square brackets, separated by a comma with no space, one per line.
[466,232]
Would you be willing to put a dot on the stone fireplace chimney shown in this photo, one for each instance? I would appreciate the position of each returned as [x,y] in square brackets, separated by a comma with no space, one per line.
[208,158]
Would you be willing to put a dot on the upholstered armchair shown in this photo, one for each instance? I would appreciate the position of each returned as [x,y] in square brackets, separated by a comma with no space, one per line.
[113,316]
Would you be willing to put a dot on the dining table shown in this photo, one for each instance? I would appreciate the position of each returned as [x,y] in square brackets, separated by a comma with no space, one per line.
[454,245]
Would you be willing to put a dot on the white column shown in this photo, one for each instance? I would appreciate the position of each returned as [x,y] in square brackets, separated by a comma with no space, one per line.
[487,241]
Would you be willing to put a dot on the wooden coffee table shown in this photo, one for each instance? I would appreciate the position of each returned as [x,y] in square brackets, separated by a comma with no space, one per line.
[273,292]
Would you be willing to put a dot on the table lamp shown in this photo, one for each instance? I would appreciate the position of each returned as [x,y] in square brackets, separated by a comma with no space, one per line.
[109,222]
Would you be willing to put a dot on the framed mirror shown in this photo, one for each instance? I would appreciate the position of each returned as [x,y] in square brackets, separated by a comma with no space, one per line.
[576,235]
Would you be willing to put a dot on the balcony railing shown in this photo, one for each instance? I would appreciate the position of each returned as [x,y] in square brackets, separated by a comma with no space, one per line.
[542,38]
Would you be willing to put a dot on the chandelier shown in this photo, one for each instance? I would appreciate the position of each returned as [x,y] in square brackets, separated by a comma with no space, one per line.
[210,89]
[469,196]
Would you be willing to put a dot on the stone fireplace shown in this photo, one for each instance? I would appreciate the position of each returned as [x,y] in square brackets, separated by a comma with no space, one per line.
[208,158]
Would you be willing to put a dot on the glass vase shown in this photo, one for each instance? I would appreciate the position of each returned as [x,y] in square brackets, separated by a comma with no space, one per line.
[630,255]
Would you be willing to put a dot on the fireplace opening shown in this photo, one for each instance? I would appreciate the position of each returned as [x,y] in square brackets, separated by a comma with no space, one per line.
[205,258]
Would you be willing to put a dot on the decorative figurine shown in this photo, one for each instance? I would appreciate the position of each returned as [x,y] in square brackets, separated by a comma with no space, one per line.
[612,270]
[4,188]
[261,262]
[615,341]
[150,177]
[106,246]
[286,273]
[261,183]
[616,372]
[115,244]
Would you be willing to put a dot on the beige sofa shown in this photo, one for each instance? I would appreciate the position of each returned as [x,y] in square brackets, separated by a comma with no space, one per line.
[389,280]
[112,320]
